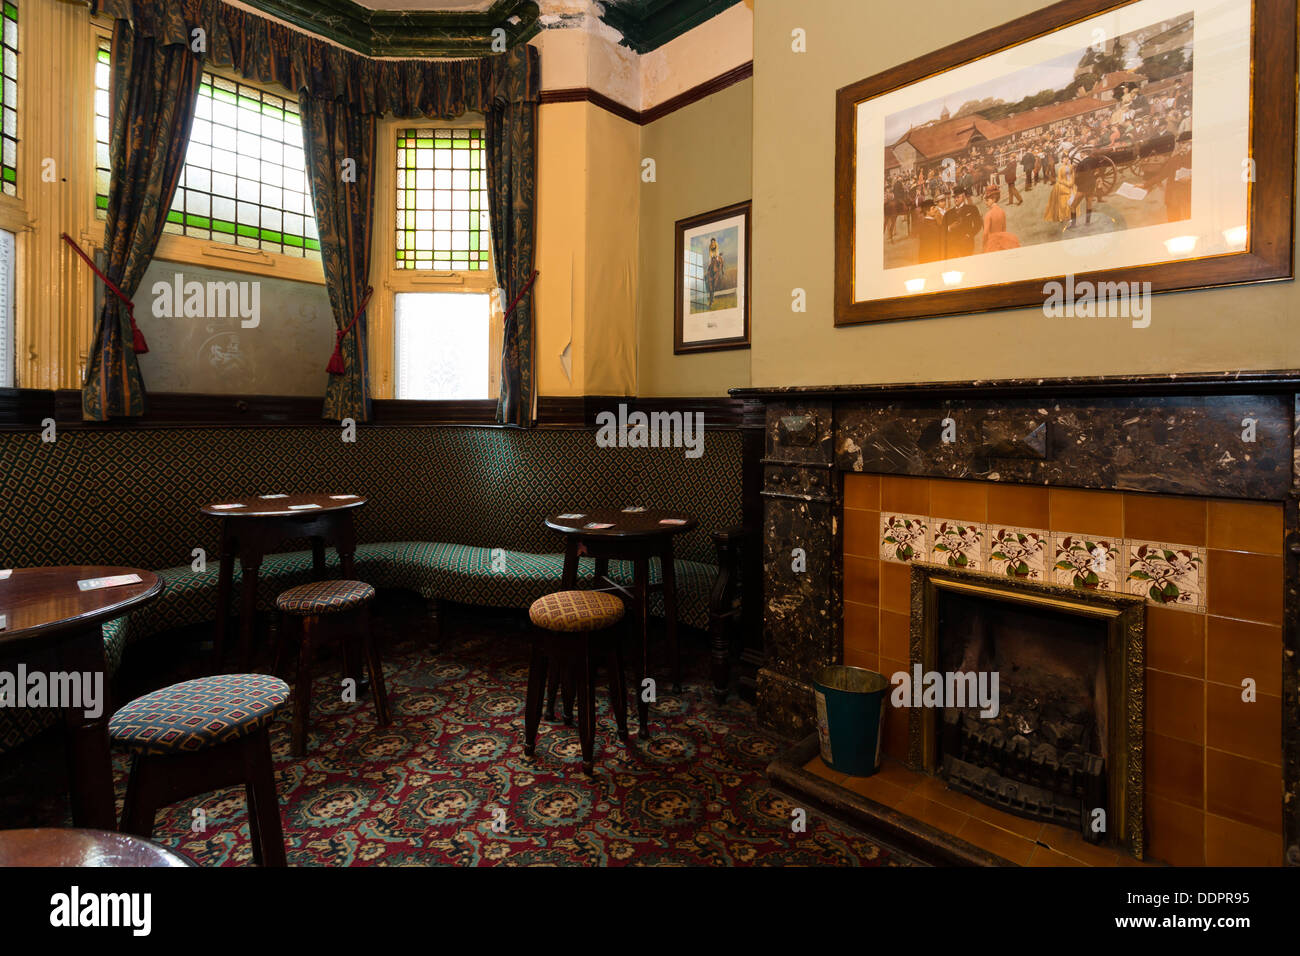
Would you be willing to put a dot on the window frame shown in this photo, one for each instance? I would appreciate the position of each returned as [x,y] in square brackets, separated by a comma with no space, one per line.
[389,281]
[207,253]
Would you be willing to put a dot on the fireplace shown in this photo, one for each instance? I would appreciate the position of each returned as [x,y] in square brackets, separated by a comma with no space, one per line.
[1042,715]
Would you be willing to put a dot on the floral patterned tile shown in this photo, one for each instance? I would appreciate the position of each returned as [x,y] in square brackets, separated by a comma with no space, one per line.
[1167,575]
[1019,553]
[958,544]
[1086,562]
[904,538]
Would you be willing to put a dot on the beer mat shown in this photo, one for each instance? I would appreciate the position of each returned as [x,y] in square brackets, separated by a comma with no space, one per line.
[273,496]
[4,573]
[225,507]
[570,517]
[598,525]
[633,509]
[113,581]
[303,507]
[672,521]
[342,497]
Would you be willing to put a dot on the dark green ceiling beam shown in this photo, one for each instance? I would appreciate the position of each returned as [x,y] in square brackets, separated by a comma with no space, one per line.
[408,32]
[649,24]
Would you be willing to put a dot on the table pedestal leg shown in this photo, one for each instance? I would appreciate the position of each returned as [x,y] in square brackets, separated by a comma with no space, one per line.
[90,766]
[225,583]
[641,606]
[248,608]
[669,571]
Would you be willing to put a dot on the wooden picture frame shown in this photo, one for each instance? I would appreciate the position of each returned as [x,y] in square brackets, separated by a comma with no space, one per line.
[720,236]
[865,289]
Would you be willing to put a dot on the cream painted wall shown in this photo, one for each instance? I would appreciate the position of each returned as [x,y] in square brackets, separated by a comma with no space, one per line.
[613,208]
[702,153]
[1247,327]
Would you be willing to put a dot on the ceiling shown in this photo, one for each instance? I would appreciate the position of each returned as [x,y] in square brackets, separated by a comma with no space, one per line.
[465,27]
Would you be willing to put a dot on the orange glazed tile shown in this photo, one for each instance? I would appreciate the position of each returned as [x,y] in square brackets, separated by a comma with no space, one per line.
[1005,844]
[861,580]
[895,635]
[935,814]
[1175,706]
[1044,856]
[1175,769]
[815,766]
[1239,649]
[1020,826]
[901,495]
[1175,833]
[862,533]
[1246,526]
[1245,586]
[874,788]
[896,587]
[1176,641]
[965,500]
[896,772]
[1165,518]
[1229,843]
[1247,729]
[1247,791]
[1099,513]
[862,491]
[860,629]
[1018,506]
[1072,844]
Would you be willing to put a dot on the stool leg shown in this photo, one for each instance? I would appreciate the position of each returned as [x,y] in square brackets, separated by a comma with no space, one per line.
[552,689]
[617,683]
[264,802]
[254,823]
[302,688]
[567,688]
[582,677]
[376,667]
[283,643]
[139,808]
[537,686]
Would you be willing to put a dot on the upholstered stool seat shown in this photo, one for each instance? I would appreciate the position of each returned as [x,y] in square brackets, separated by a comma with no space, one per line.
[573,611]
[314,613]
[325,597]
[571,626]
[203,735]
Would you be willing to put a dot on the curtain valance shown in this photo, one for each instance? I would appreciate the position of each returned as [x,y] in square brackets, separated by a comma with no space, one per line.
[262,50]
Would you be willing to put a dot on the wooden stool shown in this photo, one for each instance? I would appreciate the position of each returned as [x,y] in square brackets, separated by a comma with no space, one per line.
[321,611]
[199,736]
[571,626]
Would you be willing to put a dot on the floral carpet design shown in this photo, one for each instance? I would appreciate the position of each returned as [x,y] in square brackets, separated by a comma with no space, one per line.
[447,783]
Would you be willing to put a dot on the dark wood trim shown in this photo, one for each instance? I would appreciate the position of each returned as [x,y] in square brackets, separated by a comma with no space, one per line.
[582,94]
[1273,382]
[697,93]
[1272,147]
[26,409]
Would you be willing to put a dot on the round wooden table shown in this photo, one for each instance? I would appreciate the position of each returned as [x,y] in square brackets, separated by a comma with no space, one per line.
[635,535]
[49,620]
[51,847]
[254,527]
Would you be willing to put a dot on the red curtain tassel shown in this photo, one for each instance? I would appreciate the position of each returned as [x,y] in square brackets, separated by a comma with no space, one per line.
[335,364]
[138,345]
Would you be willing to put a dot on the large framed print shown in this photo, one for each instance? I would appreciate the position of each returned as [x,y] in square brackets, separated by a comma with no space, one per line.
[711,310]
[1149,142]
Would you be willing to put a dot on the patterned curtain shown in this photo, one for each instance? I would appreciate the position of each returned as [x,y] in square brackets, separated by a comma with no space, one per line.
[511,134]
[340,145]
[155,89]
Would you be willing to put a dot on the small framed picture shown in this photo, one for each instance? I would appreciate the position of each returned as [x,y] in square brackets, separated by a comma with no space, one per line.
[712,285]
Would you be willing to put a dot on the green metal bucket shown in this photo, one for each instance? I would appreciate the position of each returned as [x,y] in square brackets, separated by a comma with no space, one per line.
[850,712]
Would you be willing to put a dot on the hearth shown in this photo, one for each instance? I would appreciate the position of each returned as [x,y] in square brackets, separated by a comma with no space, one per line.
[1064,742]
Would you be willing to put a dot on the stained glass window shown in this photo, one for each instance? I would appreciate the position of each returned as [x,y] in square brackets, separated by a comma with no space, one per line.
[245,176]
[9,101]
[103,58]
[442,205]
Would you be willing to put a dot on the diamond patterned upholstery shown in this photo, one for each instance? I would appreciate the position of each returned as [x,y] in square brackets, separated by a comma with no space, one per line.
[197,714]
[575,611]
[325,597]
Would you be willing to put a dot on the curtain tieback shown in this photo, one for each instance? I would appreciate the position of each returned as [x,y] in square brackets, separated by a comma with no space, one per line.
[335,365]
[522,292]
[138,344]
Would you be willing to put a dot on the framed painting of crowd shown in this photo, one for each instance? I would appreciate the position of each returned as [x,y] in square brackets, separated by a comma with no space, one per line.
[1118,142]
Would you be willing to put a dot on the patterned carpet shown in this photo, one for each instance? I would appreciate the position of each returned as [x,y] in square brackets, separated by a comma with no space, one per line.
[428,789]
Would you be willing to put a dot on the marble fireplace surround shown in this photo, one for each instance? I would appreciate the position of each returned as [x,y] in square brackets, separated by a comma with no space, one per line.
[1162,434]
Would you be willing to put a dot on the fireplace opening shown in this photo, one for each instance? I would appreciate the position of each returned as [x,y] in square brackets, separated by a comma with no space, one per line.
[1043,755]
[1050,726]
